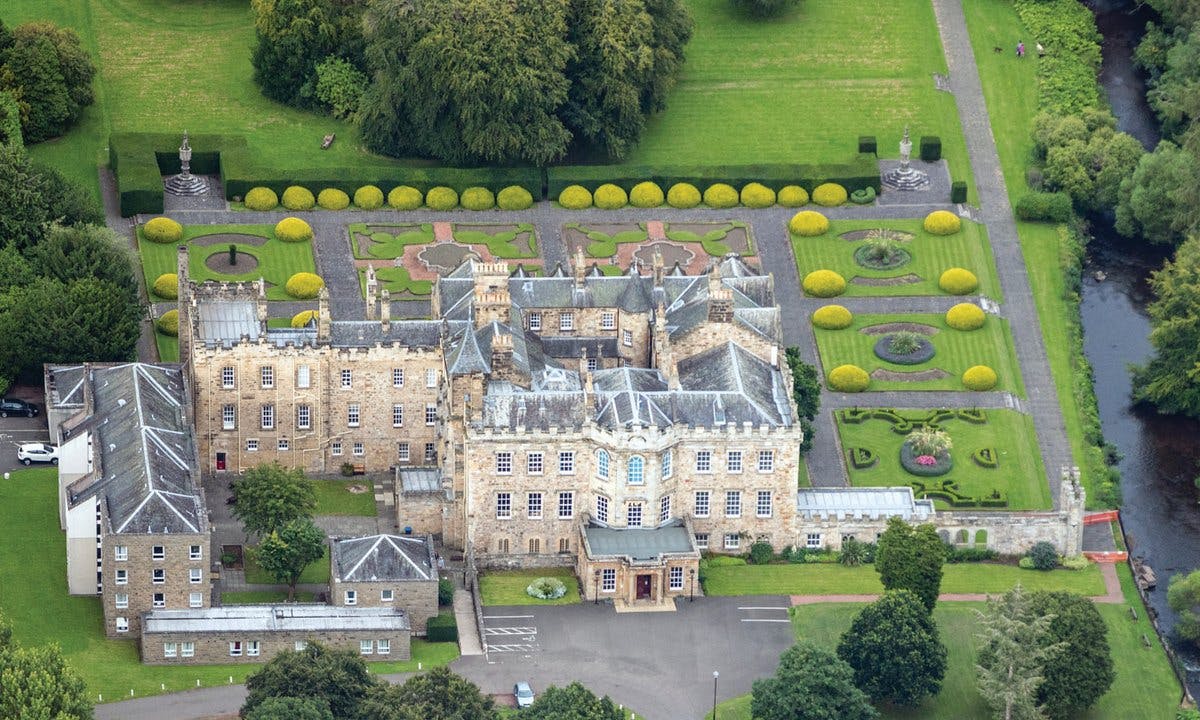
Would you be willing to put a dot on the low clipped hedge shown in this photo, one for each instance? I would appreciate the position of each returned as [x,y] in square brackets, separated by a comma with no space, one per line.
[168,323]
[167,286]
[1044,207]
[514,197]
[979,378]
[261,198]
[293,229]
[721,195]
[368,197]
[866,196]
[808,223]
[942,222]
[931,148]
[333,199]
[304,285]
[683,196]
[298,198]
[404,197]
[163,230]
[958,281]
[832,317]
[792,196]
[829,195]
[965,316]
[303,318]
[757,195]
[610,197]
[823,284]
[478,198]
[646,195]
[441,198]
[442,628]
[849,378]
[575,197]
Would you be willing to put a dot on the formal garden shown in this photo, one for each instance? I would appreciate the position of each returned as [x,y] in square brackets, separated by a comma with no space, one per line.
[614,247]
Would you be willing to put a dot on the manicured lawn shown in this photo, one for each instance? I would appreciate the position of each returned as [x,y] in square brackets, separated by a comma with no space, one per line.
[931,256]
[334,498]
[1019,473]
[316,573]
[957,350]
[507,587]
[168,347]
[398,282]
[259,597]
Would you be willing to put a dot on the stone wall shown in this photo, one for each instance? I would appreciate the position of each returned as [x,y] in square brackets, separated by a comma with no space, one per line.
[418,598]
[421,511]
[214,648]
[140,586]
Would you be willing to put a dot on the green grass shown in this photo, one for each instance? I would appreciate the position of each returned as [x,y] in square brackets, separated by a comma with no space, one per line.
[1019,473]
[168,347]
[277,260]
[957,350]
[507,587]
[260,597]
[834,579]
[334,498]
[931,256]
[397,281]
[386,245]
[316,573]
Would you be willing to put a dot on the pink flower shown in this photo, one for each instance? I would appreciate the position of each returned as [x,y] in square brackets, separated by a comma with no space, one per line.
[926,460]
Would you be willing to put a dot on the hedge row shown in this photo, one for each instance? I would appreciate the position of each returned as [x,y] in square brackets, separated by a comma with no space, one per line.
[859,172]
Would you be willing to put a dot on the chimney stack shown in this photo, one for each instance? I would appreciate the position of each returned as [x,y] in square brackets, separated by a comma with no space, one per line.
[720,298]
[385,309]
[580,270]
[502,357]
[658,269]
[372,291]
[324,322]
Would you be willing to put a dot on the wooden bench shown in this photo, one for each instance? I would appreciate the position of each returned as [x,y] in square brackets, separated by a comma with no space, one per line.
[360,469]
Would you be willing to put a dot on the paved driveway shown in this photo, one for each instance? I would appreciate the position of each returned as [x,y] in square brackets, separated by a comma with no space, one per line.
[17,430]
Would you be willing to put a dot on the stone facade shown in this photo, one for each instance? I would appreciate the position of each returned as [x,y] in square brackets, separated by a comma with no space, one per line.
[418,598]
[183,582]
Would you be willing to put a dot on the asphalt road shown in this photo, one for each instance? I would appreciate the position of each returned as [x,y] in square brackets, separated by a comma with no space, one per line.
[17,430]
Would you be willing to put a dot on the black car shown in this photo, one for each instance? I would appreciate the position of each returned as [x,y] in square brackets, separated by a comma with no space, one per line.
[13,406]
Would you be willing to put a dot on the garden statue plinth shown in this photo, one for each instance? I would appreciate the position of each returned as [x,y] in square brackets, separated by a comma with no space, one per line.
[185,183]
[905,177]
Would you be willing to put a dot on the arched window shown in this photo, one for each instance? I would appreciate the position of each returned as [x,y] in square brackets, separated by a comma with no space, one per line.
[602,463]
[637,470]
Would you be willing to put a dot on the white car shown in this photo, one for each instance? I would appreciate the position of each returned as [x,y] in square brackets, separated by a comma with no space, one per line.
[524,694]
[29,453]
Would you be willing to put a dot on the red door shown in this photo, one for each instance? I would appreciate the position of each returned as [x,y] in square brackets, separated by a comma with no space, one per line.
[220,461]
[643,587]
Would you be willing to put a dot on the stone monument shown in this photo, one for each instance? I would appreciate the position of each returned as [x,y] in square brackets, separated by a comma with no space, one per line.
[185,183]
[905,177]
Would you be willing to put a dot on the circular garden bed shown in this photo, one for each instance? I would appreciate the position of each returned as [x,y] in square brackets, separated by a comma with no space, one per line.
[218,262]
[899,258]
[921,466]
[923,351]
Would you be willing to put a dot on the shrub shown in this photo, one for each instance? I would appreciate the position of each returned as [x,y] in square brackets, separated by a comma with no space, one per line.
[298,198]
[965,316]
[368,197]
[333,199]
[849,378]
[575,197]
[646,195]
[478,198]
[546,588]
[829,195]
[832,317]
[167,286]
[514,197]
[927,441]
[168,323]
[610,197]
[931,148]
[1043,555]
[720,195]
[757,195]
[404,197]
[1044,207]
[442,628]
[808,223]
[441,198]
[303,318]
[942,222]
[261,198]
[958,191]
[979,378]
[792,196]
[293,229]
[304,285]
[824,284]
[683,196]
[761,553]
[867,144]
[865,196]
[445,591]
[905,342]
[958,281]
[163,230]
[725,561]
[1078,562]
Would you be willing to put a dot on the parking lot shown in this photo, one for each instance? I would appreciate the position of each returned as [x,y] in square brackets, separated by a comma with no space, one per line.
[17,430]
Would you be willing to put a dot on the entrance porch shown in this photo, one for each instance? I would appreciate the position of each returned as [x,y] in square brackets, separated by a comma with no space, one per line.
[638,568]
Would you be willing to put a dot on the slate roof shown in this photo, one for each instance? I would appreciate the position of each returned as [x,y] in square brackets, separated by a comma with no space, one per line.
[364,333]
[470,350]
[65,386]
[383,558]
[639,543]
[275,618]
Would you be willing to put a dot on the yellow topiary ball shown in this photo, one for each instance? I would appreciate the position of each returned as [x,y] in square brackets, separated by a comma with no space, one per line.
[965,316]
[368,197]
[958,281]
[303,318]
[168,323]
[979,378]
[683,196]
[757,195]
[646,195]
[575,197]
[792,196]
[403,197]
[514,197]
[832,317]
[304,285]
[167,286]
[441,198]
[849,378]
[720,195]
[333,199]
[163,230]
[261,198]
[824,284]
[942,222]
[808,223]
[293,229]
[610,197]
[478,198]
[298,198]
[829,195]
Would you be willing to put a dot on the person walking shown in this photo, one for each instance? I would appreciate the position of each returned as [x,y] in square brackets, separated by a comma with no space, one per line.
[1020,48]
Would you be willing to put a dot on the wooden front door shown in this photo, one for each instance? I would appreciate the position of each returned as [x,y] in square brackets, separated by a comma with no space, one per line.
[643,587]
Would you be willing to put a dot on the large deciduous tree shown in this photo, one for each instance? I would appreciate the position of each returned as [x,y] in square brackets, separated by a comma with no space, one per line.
[1183,595]
[806,391]
[50,74]
[911,558]
[573,702]
[337,677]
[1078,667]
[294,36]
[37,684]
[1160,201]
[286,552]
[895,651]
[436,695]
[269,496]
[290,708]
[1171,380]
[810,683]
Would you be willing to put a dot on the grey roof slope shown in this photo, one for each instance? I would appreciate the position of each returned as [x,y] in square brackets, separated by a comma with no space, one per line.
[364,333]
[65,384]
[639,543]
[470,350]
[383,558]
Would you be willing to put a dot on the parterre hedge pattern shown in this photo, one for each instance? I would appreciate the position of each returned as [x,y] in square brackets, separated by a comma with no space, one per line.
[163,230]
[304,285]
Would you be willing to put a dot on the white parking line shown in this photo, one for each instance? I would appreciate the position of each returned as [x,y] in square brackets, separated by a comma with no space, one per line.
[504,617]
[764,620]
[510,631]
[785,609]
[510,648]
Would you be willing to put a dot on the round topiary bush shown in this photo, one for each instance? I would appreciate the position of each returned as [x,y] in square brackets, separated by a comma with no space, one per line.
[979,378]
[261,198]
[942,222]
[683,196]
[808,223]
[163,230]
[293,229]
[757,195]
[403,197]
[829,195]
[575,197]
[904,348]
[298,198]
[958,281]
[478,198]
[514,197]
[849,378]
[832,317]
[303,318]
[304,285]
[168,323]
[965,316]
[333,199]
[1043,555]
[646,195]
[824,284]
[720,195]
[167,286]
[610,197]
[441,198]
[546,588]
[368,197]
[792,196]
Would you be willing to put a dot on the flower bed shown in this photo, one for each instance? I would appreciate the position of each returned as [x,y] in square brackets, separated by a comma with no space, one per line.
[924,465]
[924,351]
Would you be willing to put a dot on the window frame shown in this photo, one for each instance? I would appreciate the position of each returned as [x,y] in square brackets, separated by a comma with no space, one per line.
[735,461]
[431,413]
[566,499]
[667,465]
[733,541]
[158,552]
[350,597]
[766,461]
[566,462]
[675,578]
[229,416]
[397,415]
[187,648]
[608,580]
[566,322]
[635,470]
[397,377]
[235,648]
[303,377]
[383,646]
[387,595]
[530,497]
[228,378]
[158,576]
[403,452]
[196,600]
[266,376]
[121,577]
[603,461]
[347,376]
[266,416]
[535,321]
[195,576]
[504,509]
[303,417]
[353,415]
[535,462]
[602,508]
[706,497]
[608,320]
[704,462]
[664,509]
[121,600]
[504,462]
[634,516]
[759,504]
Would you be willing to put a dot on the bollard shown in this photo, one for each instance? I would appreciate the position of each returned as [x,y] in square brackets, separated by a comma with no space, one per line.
[197,682]
[162,686]
[230,679]
[418,665]
[101,696]
[130,692]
